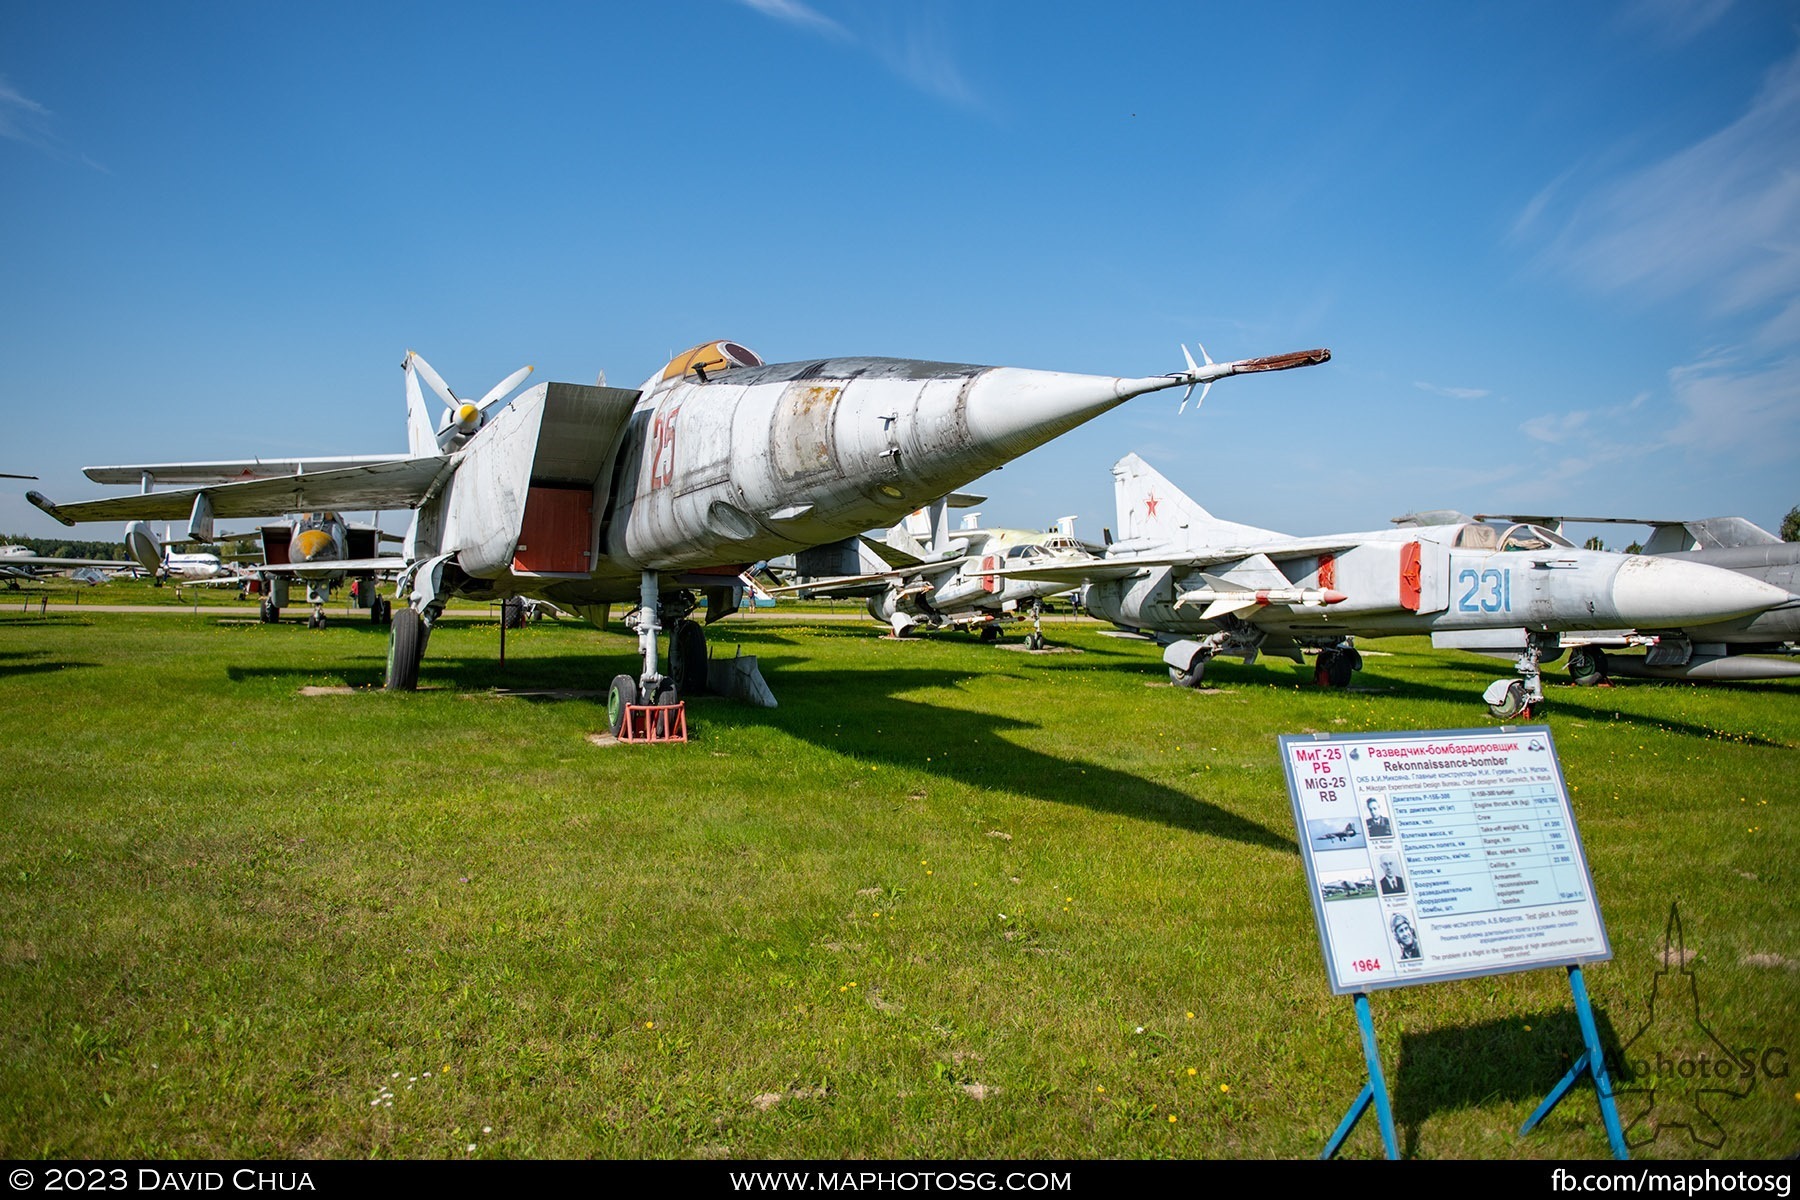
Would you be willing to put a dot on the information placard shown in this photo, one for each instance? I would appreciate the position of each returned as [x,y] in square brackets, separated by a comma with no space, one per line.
[1440,854]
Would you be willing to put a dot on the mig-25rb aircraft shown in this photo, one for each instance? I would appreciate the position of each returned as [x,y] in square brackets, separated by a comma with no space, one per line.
[1204,587]
[592,496]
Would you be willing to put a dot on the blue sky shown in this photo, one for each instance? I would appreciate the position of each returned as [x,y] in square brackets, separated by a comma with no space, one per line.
[1555,249]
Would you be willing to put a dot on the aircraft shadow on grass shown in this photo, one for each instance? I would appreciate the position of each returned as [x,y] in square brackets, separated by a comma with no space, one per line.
[979,751]
[1372,683]
[14,663]
[1513,1059]
[972,747]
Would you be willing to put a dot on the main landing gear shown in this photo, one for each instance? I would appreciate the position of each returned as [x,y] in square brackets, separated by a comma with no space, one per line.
[1508,699]
[1587,666]
[1336,665]
[687,653]
[1035,639]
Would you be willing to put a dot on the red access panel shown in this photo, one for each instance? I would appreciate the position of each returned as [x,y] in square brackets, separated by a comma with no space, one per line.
[558,526]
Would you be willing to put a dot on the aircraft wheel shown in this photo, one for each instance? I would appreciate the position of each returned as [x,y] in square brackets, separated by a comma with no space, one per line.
[1511,703]
[622,695]
[1034,641]
[318,620]
[990,633]
[1191,677]
[406,645]
[512,612]
[687,658]
[1336,667]
[1587,666]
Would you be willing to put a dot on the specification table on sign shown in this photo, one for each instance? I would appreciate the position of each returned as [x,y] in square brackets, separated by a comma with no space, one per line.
[1440,854]
[1476,849]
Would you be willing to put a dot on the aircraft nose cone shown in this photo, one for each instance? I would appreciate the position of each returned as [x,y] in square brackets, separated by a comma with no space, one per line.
[1011,410]
[313,545]
[1658,593]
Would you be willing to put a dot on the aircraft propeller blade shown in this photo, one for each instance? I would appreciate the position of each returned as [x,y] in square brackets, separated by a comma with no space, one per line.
[435,380]
[503,389]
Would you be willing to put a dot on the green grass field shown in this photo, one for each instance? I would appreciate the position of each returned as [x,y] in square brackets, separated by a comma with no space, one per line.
[948,900]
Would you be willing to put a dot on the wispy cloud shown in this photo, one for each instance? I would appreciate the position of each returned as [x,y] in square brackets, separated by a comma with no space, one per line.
[1743,407]
[801,17]
[24,120]
[1674,22]
[1719,218]
[912,45]
[1452,393]
[1554,428]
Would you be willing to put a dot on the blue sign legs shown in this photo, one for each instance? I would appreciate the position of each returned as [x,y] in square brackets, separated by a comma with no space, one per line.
[1593,1062]
[1375,1089]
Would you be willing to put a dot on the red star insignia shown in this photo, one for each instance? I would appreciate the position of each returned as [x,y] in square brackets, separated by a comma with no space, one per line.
[1150,503]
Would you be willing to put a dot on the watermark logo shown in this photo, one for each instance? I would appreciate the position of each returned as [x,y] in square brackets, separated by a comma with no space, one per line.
[1674,1073]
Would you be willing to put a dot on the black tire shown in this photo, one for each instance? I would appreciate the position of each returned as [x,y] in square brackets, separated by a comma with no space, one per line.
[406,646]
[1513,704]
[687,658]
[1191,677]
[1034,641]
[512,612]
[1342,666]
[375,611]
[319,619]
[666,692]
[622,694]
[1587,666]
[990,632]
[271,615]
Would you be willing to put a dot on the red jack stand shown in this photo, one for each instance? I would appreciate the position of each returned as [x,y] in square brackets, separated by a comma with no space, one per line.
[655,723]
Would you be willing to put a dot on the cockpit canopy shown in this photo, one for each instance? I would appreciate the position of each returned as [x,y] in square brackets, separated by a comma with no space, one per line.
[1478,536]
[705,361]
[317,520]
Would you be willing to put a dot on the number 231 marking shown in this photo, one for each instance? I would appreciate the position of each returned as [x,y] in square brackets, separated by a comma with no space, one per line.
[1495,587]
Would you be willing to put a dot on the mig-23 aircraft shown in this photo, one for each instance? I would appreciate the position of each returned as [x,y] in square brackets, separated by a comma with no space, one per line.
[1204,587]
[593,496]
[1739,648]
[923,573]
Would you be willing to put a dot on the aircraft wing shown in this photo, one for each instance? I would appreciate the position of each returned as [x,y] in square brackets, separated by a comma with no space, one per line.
[848,583]
[235,470]
[397,483]
[1120,566]
[349,566]
[33,560]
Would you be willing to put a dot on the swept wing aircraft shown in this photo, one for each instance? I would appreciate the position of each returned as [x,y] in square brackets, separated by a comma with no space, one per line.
[19,564]
[1204,587]
[921,573]
[318,549]
[593,496]
[1740,648]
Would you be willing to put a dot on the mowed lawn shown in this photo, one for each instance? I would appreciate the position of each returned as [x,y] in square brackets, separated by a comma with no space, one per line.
[948,900]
